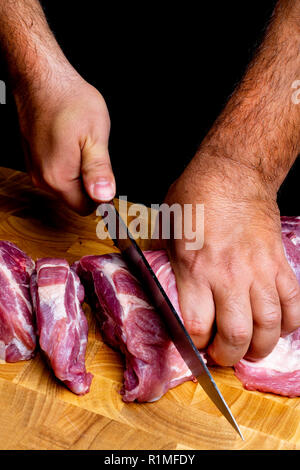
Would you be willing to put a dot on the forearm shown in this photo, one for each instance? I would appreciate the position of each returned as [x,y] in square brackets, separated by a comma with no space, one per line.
[258,132]
[34,59]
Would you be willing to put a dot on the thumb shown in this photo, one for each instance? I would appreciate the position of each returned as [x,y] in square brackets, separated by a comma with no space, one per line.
[97,174]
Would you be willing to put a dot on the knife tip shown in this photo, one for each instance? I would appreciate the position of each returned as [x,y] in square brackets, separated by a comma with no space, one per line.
[236,427]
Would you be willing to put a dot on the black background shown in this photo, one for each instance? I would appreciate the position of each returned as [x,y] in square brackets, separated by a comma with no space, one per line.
[165,70]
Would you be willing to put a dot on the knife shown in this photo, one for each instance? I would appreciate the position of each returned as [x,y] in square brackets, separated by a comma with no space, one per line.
[139,266]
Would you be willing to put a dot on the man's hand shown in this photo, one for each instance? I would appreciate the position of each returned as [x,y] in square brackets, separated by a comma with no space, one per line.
[238,292]
[64,121]
[65,134]
[239,286]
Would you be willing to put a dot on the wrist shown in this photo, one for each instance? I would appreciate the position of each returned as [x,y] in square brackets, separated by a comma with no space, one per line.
[229,175]
[51,81]
[249,145]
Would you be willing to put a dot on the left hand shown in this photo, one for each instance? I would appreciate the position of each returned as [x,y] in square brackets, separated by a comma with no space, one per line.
[238,293]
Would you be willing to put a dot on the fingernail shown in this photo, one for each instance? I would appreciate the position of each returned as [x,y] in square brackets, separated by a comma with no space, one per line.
[103,190]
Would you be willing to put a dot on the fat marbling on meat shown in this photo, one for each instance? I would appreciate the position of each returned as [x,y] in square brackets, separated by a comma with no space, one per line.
[62,327]
[17,331]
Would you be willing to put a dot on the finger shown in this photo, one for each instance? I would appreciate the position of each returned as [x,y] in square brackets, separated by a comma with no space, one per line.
[97,175]
[266,311]
[234,324]
[71,191]
[198,311]
[289,294]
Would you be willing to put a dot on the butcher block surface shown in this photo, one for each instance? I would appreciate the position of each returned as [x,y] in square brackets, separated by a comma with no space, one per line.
[38,412]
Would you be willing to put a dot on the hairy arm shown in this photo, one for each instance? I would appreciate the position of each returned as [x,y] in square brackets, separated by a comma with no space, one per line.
[238,294]
[31,51]
[259,127]
[64,121]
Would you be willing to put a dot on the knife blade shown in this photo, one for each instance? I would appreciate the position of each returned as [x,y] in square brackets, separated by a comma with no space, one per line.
[139,266]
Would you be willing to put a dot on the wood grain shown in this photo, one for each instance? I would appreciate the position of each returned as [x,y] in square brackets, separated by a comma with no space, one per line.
[38,412]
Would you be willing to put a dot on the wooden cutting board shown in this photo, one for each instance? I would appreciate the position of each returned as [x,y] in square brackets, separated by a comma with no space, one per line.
[37,412]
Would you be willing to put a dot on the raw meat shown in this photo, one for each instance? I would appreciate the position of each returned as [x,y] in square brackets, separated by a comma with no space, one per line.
[129,323]
[17,335]
[279,372]
[62,327]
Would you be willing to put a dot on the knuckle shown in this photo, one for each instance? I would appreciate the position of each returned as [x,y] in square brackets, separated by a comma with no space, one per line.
[237,335]
[269,320]
[96,168]
[270,297]
[190,262]
[292,296]
[95,164]
[230,268]
[232,264]
[53,179]
[196,327]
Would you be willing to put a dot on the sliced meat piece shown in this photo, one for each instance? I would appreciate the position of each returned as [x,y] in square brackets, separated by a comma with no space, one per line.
[130,324]
[62,327]
[17,331]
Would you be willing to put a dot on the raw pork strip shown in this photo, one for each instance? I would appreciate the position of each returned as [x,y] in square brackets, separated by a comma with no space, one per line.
[62,327]
[17,335]
[129,323]
[279,372]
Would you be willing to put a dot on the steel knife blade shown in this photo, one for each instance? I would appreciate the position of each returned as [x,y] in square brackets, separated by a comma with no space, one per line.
[139,266]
